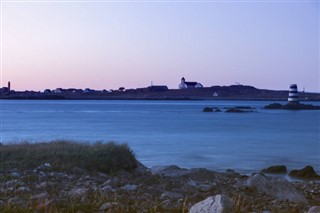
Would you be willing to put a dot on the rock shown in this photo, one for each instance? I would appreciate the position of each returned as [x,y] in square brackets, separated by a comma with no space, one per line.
[299,106]
[141,169]
[275,187]
[23,189]
[171,195]
[17,201]
[41,196]
[45,185]
[213,204]
[201,175]
[107,189]
[43,167]
[292,106]
[78,193]
[2,204]
[204,187]
[281,169]
[35,200]
[108,206]
[207,109]
[305,173]
[15,174]
[170,171]
[273,106]
[48,206]
[314,209]
[129,187]
[238,110]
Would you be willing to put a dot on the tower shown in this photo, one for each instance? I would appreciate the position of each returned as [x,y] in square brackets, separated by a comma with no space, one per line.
[9,86]
[293,94]
[182,84]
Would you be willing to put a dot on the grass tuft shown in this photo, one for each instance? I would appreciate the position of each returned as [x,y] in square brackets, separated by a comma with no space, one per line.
[65,155]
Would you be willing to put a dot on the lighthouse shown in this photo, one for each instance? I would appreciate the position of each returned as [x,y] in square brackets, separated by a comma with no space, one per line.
[293,94]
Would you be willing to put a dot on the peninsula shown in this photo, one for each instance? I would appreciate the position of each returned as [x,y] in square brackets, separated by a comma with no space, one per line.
[154,92]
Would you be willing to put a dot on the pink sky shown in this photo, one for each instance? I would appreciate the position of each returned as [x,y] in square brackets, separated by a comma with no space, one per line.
[108,45]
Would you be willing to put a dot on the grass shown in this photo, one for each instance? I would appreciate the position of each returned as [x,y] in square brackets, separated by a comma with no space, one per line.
[65,155]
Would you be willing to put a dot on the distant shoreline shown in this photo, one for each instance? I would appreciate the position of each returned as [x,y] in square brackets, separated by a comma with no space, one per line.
[234,92]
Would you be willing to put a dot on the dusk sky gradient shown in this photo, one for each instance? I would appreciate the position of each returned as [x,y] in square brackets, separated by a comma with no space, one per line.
[105,45]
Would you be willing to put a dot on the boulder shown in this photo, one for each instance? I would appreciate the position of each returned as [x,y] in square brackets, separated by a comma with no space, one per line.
[207,109]
[305,173]
[17,201]
[109,206]
[78,193]
[299,106]
[314,209]
[213,204]
[38,199]
[15,174]
[23,190]
[273,106]
[129,187]
[2,203]
[141,169]
[239,110]
[171,195]
[170,171]
[280,169]
[275,187]
[43,167]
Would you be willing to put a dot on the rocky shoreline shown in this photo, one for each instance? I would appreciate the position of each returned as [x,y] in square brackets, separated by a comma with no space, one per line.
[158,189]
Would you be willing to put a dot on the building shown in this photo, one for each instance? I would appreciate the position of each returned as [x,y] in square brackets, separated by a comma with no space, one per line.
[6,89]
[187,85]
[293,94]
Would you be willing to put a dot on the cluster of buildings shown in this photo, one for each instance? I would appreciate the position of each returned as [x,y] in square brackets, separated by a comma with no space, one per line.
[6,89]
[153,88]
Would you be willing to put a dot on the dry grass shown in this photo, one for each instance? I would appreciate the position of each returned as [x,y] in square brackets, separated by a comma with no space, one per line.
[65,155]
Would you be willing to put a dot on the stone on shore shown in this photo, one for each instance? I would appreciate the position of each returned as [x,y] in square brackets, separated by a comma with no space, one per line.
[314,209]
[281,169]
[129,187]
[213,204]
[275,187]
[169,171]
[305,173]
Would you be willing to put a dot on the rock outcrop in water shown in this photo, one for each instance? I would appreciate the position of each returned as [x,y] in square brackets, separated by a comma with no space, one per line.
[281,169]
[240,109]
[233,109]
[292,106]
[305,173]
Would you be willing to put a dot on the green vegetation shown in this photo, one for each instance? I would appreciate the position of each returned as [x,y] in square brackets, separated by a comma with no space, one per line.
[65,155]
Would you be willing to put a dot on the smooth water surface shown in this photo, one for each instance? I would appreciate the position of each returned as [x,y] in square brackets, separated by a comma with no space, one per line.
[174,132]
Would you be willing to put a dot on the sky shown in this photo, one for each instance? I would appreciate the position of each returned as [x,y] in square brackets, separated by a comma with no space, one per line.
[110,44]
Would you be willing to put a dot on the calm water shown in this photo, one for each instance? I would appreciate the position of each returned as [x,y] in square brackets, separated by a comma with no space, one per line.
[174,132]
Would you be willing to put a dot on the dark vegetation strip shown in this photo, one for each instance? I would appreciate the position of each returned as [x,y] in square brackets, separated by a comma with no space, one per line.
[66,155]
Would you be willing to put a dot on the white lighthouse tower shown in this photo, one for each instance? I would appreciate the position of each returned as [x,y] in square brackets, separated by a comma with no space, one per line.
[293,94]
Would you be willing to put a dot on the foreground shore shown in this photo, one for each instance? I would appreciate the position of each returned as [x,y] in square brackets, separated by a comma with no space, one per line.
[71,177]
[159,189]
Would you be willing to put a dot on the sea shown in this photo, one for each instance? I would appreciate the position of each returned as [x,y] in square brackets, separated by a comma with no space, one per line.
[173,132]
